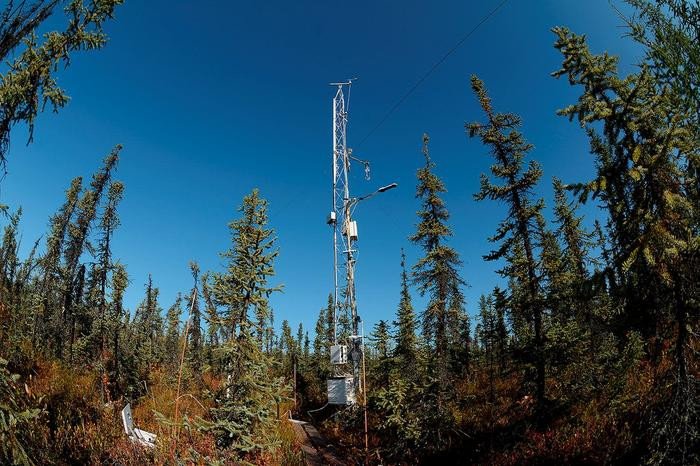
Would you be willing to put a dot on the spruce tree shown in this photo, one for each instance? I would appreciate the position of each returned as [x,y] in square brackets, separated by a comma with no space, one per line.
[669,30]
[172,333]
[517,235]
[437,276]
[577,240]
[381,353]
[78,234]
[638,180]
[307,346]
[639,137]
[322,344]
[578,291]
[108,224]
[20,295]
[244,288]
[52,269]
[488,336]
[120,280]
[147,329]
[300,338]
[243,412]
[263,315]
[9,260]
[459,339]
[330,321]
[270,337]
[565,330]
[9,264]
[29,82]
[552,272]
[321,334]
[286,343]
[406,345]
[213,320]
[287,348]
[196,342]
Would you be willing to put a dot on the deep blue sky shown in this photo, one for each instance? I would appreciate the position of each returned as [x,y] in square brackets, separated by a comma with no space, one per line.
[212,99]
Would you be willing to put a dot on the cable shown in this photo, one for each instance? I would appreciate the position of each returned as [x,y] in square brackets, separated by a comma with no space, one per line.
[430,71]
[315,411]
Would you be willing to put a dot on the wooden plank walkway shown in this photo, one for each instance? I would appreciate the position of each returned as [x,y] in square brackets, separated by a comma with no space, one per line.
[317,451]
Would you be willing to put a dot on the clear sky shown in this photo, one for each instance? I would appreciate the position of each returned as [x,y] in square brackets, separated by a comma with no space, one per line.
[212,99]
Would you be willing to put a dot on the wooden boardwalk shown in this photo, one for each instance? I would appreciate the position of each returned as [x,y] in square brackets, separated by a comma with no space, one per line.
[317,451]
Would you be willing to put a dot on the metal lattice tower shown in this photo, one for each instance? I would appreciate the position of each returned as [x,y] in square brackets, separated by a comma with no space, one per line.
[344,252]
[341,191]
[344,230]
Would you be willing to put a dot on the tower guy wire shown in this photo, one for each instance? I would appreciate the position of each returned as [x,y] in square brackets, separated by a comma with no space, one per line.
[432,69]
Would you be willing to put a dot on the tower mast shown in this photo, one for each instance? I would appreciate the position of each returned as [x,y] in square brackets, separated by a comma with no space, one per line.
[342,386]
[344,231]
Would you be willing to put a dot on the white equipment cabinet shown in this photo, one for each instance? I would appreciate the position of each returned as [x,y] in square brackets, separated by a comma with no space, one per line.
[350,229]
[341,391]
[339,354]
